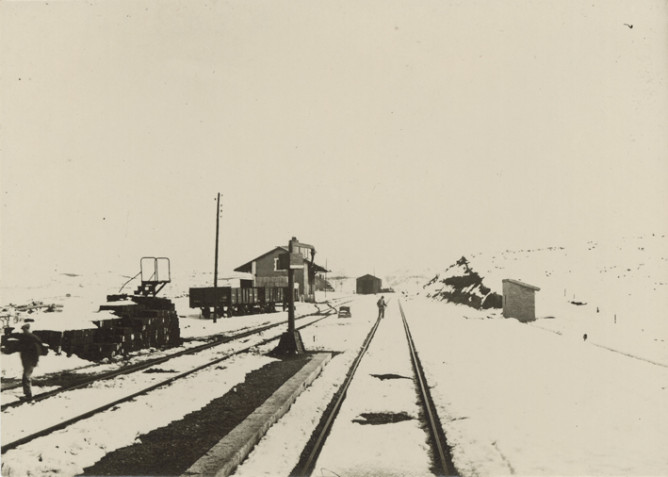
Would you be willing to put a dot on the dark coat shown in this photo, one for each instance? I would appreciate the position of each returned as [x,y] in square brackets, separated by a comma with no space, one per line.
[30,347]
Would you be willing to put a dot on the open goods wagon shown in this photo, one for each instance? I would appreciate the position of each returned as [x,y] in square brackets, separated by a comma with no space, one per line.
[228,301]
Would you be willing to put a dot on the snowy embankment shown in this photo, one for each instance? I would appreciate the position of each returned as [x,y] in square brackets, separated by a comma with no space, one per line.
[516,399]
[579,391]
[615,292]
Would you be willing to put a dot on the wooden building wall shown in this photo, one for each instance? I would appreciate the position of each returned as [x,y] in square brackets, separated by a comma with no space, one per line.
[368,285]
[266,275]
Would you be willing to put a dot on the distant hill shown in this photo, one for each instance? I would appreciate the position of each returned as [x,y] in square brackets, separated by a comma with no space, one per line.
[621,279]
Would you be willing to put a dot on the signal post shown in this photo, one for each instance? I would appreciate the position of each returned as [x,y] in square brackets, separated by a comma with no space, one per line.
[290,343]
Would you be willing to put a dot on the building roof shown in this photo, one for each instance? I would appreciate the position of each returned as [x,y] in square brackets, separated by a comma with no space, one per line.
[522,284]
[367,276]
[317,267]
[248,266]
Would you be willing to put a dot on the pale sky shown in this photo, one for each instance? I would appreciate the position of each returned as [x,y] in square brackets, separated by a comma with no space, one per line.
[386,133]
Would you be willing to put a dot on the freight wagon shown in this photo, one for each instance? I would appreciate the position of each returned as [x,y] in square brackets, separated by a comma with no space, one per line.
[228,301]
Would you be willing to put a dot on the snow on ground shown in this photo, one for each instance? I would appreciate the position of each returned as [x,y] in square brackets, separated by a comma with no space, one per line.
[615,292]
[515,399]
[278,451]
[192,327]
[538,398]
[69,451]
[528,399]
[533,399]
[79,311]
[359,449]
[622,282]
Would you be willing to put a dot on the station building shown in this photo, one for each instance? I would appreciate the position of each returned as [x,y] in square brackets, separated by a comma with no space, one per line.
[266,271]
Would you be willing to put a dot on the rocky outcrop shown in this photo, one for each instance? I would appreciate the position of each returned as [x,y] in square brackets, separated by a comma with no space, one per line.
[460,284]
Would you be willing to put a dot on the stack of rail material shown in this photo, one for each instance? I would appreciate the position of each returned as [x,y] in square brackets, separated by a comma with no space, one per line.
[143,322]
[79,343]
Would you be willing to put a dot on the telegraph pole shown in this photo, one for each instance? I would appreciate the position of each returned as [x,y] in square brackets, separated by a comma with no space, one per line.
[326,283]
[215,266]
[291,292]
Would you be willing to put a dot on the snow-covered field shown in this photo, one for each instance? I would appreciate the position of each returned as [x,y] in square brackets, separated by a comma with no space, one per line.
[539,399]
[524,399]
[517,399]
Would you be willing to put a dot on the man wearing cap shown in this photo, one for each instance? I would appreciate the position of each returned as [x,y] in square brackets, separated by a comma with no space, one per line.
[381,307]
[30,347]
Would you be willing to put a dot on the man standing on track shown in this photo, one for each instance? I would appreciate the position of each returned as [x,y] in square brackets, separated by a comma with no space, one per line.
[381,307]
[30,347]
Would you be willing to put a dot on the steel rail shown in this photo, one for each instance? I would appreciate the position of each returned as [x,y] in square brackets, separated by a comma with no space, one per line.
[307,468]
[23,440]
[439,444]
[146,364]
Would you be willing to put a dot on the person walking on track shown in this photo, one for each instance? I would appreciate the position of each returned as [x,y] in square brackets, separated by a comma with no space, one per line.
[30,347]
[381,307]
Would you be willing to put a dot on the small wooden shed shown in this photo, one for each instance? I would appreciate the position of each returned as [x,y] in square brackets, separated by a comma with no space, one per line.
[519,300]
[368,285]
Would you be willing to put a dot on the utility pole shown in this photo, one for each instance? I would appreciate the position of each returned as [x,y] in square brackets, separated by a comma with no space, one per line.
[326,284]
[215,267]
[291,291]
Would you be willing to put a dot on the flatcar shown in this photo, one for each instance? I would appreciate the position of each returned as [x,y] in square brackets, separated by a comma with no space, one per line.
[229,301]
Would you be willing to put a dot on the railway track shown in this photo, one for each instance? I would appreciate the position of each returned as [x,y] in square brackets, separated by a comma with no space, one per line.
[34,434]
[439,452]
[439,443]
[145,364]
